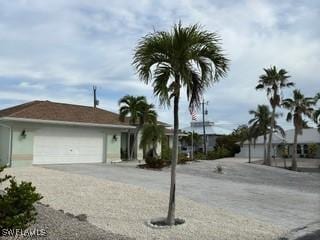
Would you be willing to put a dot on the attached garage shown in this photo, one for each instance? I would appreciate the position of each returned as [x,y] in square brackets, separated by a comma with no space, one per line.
[68,145]
[44,132]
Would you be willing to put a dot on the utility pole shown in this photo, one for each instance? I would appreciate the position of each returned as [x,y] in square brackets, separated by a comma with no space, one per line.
[204,112]
[95,101]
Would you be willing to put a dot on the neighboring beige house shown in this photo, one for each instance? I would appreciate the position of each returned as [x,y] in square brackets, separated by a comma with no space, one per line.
[44,132]
[310,136]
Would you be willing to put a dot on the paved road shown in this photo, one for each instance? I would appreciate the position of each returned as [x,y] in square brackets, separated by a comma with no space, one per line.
[288,199]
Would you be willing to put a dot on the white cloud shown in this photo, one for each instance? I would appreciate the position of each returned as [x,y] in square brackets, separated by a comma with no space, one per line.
[73,44]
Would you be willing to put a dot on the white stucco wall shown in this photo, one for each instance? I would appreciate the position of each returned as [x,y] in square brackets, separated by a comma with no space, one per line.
[113,144]
[256,151]
[4,145]
[22,147]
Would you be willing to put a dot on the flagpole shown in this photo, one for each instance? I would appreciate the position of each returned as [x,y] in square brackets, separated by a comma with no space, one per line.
[192,150]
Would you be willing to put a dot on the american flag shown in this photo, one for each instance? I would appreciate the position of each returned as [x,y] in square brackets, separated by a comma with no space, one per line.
[193,114]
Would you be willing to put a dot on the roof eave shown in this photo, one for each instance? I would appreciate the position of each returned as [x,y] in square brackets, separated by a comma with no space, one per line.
[32,120]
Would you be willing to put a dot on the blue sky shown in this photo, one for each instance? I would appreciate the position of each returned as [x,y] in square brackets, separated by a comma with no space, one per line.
[56,50]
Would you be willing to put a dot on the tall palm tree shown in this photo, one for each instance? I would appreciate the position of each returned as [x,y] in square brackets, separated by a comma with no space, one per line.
[186,57]
[260,124]
[139,113]
[298,106]
[152,134]
[273,81]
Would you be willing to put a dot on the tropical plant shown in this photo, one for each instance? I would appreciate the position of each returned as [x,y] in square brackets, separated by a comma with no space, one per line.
[246,133]
[17,209]
[152,135]
[284,153]
[231,141]
[219,152]
[260,125]
[187,139]
[312,150]
[299,106]
[139,112]
[186,57]
[273,81]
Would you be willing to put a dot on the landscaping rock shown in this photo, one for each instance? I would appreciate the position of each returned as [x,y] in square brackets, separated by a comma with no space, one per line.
[58,226]
[70,215]
[82,217]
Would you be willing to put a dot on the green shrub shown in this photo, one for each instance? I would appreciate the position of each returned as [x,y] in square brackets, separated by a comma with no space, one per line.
[212,155]
[17,209]
[183,158]
[313,148]
[219,152]
[153,162]
[166,152]
[200,156]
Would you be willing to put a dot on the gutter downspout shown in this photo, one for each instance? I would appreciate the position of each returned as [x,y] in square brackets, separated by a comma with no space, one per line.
[9,164]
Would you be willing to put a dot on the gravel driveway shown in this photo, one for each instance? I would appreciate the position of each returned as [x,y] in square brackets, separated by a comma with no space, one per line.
[124,209]
[285,198]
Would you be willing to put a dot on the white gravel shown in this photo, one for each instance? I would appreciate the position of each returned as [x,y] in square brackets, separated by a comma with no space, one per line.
[124,209]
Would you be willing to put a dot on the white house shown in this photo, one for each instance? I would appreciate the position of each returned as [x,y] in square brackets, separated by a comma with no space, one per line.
[44,132]
[212,133]
[309,136]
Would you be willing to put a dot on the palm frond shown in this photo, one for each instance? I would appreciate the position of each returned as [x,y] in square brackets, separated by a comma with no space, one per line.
[188,56]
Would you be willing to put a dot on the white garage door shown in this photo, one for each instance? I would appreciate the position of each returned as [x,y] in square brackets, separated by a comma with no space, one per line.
[67,145]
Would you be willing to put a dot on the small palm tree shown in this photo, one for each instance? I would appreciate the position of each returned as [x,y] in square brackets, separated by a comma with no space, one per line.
[273,81]
[152,134]
[298,106]
[260,124]
[139,113]
[247,133]
[186,57]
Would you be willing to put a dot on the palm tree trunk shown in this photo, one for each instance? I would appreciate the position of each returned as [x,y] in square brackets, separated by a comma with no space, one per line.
[268,160]
[133,150]
[250,151]
[154,149]
[171,210]
[294,154]
[264,149]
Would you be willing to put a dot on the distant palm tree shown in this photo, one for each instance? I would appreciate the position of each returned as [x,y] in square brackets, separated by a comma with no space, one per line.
[273,81]
[298,106]
[260,124]
[186,57]
[152,134]
[246,133]
[139,112]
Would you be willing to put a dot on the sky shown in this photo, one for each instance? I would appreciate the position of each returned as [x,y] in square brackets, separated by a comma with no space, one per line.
[56,50]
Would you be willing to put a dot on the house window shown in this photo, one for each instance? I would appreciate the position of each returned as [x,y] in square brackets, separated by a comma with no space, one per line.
[305,149]
[298,149]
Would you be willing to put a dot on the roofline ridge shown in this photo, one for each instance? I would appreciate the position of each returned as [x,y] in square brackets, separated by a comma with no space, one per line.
[25,105]
[31,104]
[79,105]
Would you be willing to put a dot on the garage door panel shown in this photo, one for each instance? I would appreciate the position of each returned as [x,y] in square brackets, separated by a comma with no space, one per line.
[56,145]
